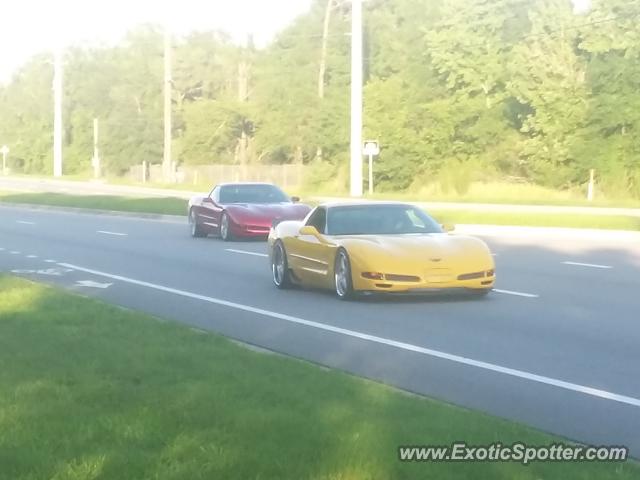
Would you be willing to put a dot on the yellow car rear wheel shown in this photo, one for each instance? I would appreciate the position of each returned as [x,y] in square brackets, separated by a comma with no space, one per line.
[280,266]
[480,292]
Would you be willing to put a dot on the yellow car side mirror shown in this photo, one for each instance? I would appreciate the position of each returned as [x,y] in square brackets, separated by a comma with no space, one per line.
[447,227]
[309,230]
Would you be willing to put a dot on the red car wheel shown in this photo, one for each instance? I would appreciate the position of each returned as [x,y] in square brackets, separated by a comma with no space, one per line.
[225,228]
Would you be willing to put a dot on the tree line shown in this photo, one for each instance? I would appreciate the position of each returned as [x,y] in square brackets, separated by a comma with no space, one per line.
[455,90]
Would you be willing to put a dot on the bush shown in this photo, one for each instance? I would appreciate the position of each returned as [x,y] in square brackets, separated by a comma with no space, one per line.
[457,175]
[325,176]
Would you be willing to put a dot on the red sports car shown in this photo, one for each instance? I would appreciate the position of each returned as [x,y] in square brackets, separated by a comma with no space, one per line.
[242,210]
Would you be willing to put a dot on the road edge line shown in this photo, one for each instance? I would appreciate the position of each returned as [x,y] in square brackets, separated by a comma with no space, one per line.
[582,389]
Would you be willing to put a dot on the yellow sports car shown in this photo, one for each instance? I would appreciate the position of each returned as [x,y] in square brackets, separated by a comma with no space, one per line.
[377,247]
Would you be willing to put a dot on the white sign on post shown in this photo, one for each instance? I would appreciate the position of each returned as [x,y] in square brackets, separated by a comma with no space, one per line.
[371,148]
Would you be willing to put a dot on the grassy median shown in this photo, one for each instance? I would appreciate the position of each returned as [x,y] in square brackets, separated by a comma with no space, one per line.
[177,206]
[498,192]
[158,205]
[565,220]
[92,391]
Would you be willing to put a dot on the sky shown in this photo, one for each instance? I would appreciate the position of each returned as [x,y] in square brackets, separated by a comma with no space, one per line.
[33,26]
[581,6]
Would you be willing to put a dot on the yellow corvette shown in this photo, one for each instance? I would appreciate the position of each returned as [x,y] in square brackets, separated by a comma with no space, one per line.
[377,247]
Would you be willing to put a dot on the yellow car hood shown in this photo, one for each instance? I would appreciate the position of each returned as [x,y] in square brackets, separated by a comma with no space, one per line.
[409,254]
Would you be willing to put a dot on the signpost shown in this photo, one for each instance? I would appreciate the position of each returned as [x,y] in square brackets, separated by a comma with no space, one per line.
[5,151]
[95,160]
[591,185]
[371,149]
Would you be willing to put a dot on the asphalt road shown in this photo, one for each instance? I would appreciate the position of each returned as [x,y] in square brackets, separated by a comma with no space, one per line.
[555,347]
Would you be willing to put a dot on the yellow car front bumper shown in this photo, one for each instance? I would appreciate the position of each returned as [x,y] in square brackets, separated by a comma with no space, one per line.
[423,285]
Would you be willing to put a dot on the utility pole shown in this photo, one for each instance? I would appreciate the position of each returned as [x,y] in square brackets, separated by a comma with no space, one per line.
[243,93]
[57,112]
[244,71]
[323,60]
[167,167]
[323,54]
[356,98]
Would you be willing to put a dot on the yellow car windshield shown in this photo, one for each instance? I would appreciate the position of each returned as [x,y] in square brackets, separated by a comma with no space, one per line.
[377,219]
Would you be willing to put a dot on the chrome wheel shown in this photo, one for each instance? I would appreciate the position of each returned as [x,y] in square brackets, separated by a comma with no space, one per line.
[344,288]
[279,267]
[193,226]
[224,227]
[482,292]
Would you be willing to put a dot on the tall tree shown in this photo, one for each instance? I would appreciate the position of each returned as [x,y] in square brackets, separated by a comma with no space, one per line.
[610,138]
[549,77]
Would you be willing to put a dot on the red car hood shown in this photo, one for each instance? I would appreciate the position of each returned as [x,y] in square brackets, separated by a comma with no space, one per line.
[265,214]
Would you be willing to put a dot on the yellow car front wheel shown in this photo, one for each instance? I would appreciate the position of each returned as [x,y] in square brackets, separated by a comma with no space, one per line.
[342,273]
[481,292]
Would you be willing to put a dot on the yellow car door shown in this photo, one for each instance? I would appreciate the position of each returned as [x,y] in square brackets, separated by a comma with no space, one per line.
[311,251]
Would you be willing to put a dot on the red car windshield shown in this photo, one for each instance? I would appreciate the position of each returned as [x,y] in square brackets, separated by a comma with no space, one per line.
[252,194]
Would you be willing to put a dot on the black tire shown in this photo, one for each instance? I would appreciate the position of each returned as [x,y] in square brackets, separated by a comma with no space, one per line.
[194,226]
[225,230]
[343,281]
[280,267]
[480,292]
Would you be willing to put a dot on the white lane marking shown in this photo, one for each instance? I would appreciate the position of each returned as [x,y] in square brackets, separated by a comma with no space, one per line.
[56,272]
[115,234]
[50,261]
[14,252]
[591,265]
[92,284]
[246,252]
[24,222]
[32,256]
[517,294]
[586,390]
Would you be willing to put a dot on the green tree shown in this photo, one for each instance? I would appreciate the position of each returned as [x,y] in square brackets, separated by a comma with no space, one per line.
[26,123]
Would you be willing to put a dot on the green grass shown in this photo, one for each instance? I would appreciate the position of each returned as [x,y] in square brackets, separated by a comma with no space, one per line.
[163,205]
[92,391]
[498,192]
[605,222]
[501,193]
[177,206]
[202,186]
